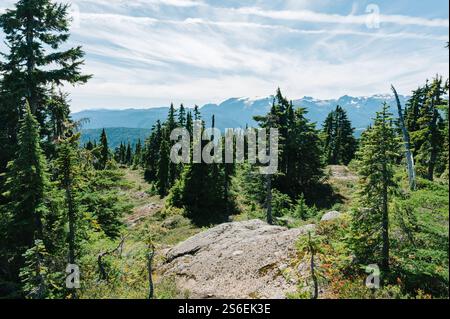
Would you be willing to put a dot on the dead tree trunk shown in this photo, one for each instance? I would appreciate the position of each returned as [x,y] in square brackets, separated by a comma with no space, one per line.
[406,140]
[269,199]
[150,256]
[101,266]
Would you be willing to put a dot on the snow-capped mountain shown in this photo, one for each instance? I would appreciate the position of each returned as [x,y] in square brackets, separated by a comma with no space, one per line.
[239,112]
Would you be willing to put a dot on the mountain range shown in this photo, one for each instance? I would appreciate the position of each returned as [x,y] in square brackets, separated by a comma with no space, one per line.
[232,113]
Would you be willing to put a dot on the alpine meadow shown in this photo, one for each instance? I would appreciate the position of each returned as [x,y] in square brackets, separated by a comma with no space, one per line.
[124,175]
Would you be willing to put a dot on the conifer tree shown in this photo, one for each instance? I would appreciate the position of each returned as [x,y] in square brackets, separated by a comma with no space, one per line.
[376,159]
[59,116]
[163,169]
[171,122]
[89,146]
[328,137]
[35,32]
[426,127]
[169,126]
[339,142]
[137,154]
[182,116]
[129,155]
[26,184]
[104,150]
[68,166]
[197,116]
[151,154]
[300,165]
[122,153]
[34,274]
[189,123]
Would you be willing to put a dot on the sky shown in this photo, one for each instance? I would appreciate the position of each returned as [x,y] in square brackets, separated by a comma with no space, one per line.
[149,53]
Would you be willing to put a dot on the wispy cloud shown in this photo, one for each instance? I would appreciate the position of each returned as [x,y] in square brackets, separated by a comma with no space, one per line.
[147,53]
[316,17]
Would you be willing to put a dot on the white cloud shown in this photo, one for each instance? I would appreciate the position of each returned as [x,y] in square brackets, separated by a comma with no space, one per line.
[151,52]
[316,17]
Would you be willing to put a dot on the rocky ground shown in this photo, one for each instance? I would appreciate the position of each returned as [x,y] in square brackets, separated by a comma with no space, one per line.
[249,259]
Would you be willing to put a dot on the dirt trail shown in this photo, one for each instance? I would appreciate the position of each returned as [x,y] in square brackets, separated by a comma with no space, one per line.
[144,204]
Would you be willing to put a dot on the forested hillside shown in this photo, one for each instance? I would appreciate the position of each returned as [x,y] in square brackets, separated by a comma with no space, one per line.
[116,135]
[113,209]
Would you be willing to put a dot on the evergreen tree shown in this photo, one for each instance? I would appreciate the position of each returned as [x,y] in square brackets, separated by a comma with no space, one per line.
[189,123]
[426,127]
[104,150]
[34,274]
[151,153]
[169,126]
[197,116]
[163,169]
[122,153]
[89,146]
[34,32]
[182,116]
[300,165]
[328,137]
[137,158]
[376,159]
[171,122]
[445,156]
[26,184]
[68,167]
[339,142]
[129,155]
[59,122]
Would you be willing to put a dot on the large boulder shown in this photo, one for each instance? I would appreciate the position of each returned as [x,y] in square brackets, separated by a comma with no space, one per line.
[249,259]
[330,216]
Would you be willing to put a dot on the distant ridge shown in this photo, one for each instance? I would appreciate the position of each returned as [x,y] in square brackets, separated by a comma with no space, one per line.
[239,112]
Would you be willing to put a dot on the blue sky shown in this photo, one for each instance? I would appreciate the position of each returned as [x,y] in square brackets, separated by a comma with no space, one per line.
[146,53]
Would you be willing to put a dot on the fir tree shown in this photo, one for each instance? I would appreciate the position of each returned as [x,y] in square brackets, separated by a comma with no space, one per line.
[300,165]
[339,142]
[151,153]
[26,184]
[68,167]
[189,123]
[137,158]
[426,127]
[34,32]
[104,150]
[376,159]
[163,169]
[182,116]
[171,122]
[34,274]
[197,116]
[129,155]
[89,146]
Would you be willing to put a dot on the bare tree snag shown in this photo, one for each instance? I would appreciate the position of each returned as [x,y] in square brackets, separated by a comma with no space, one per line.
[150,256]
[269,199]
[407,141]
[101,266]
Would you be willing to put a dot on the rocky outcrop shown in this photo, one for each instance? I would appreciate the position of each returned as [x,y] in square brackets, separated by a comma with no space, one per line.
[249,259]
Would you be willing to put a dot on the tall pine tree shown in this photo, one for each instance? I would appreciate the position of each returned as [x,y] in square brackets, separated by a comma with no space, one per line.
[104,150]
[26,184]
[339,142]
[376,159]
[35,31]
